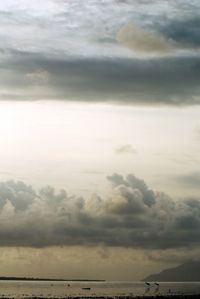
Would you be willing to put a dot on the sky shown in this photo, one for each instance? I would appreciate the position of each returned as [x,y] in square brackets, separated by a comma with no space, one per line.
[99,137]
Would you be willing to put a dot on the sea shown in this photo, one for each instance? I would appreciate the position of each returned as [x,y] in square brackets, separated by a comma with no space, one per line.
[20,289]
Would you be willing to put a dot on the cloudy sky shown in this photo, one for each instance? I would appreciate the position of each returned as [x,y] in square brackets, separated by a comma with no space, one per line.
[99,137]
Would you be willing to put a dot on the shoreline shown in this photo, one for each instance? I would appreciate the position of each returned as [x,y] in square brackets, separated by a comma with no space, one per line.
[3,278]
[175,296]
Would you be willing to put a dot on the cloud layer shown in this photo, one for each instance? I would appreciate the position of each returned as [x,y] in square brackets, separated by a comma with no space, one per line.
[132,215]
[163,81]
[125,52]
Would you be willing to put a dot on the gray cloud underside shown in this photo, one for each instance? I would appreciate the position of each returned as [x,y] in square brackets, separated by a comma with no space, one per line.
[131,216]
[162,81]
[184,31]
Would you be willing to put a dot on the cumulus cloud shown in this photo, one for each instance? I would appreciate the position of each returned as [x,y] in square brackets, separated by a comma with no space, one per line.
[132,215]
[126,149]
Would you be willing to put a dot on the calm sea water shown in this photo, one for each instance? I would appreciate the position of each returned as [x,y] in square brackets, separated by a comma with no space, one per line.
[59,289]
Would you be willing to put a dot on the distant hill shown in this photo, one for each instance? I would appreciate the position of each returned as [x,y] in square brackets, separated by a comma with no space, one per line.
[189,271]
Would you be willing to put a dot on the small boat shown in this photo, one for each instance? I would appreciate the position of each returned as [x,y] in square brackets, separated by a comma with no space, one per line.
[86,288]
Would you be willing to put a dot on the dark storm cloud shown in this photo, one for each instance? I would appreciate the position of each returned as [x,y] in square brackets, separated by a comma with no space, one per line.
[131,216]
[158,81]
[184,31]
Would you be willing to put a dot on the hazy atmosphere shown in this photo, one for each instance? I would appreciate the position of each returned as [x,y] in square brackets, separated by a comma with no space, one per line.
[99,137]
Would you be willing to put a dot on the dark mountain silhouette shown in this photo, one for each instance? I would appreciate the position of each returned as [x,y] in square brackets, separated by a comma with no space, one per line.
[189,271]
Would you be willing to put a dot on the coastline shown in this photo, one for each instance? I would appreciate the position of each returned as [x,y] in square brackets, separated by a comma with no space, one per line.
[48,279]
[173,296]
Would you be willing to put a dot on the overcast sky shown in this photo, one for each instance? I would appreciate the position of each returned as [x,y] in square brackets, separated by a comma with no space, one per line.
[99,99]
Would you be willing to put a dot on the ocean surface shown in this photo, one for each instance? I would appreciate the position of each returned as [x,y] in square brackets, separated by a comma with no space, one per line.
[61,289]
